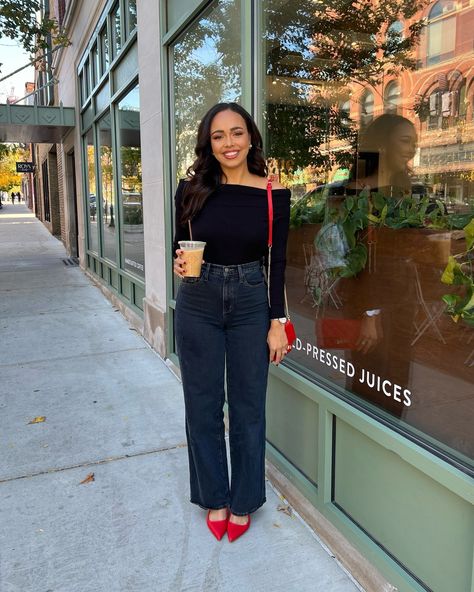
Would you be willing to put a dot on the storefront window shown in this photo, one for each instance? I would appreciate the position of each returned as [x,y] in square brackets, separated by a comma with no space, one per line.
[132,15]
[95,70]
[116,30]
[380,256]
[128,114]
[206,70]
[91,190]
[104,42]
[107,188]
[87,87]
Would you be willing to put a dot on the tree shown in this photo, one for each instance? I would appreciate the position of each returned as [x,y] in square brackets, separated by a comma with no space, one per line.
[317,53]
[207,69]
[18,21]
[9,155]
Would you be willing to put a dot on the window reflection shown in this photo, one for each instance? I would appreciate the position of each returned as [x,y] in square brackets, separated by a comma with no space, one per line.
[116,30]
[104,41]
[378,152]
[131,183]
[107,188]
[392,97]
[367,108]
[92,191]
[132,15]
[206,70]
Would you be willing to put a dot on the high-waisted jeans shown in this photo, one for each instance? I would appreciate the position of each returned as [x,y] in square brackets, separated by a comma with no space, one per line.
[221,326]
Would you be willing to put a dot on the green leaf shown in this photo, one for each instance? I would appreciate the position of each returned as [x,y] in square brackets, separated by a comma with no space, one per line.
[469,232]
[378,201]
[355,261]
[448,273]
[350,230]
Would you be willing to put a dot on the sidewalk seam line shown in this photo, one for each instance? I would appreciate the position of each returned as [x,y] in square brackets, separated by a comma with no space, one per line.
[75,357]
[94,462]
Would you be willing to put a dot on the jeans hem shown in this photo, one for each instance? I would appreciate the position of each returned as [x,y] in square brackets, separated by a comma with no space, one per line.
[209,507]
[249,511]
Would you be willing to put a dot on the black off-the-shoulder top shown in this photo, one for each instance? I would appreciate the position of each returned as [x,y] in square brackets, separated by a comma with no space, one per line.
[234,224]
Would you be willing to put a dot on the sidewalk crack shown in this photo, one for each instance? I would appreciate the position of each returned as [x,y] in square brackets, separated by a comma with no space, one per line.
[94,462]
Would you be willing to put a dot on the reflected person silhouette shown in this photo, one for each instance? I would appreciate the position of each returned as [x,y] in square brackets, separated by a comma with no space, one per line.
[381,294]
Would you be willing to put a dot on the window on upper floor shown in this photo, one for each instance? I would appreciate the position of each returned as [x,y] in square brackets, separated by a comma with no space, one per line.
[392,97]
[441,32]
[367,108]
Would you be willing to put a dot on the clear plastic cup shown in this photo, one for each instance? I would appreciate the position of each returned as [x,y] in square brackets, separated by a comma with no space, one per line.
[193,252]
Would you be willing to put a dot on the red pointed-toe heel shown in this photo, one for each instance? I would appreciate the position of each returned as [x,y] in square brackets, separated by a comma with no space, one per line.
[234,531]
[217,527]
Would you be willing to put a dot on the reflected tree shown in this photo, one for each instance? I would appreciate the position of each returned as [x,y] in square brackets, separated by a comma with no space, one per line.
[317,53]
[207,69]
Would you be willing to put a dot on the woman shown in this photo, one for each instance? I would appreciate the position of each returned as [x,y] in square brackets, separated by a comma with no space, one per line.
[224,323]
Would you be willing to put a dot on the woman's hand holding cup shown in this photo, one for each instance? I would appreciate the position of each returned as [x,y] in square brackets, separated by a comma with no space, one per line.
[179,265]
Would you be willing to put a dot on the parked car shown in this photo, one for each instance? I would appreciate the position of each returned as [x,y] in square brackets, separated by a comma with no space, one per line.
[92,205]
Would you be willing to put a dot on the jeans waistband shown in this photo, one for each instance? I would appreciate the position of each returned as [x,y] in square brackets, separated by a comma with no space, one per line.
[230,272]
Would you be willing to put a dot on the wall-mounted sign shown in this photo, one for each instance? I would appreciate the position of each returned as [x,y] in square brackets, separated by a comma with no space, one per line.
[25,167]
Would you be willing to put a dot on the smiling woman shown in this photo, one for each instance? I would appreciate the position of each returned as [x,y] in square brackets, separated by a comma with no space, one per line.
[229,326]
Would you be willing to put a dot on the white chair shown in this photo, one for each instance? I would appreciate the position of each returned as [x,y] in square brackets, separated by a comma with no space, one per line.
[431,311]
[319,284]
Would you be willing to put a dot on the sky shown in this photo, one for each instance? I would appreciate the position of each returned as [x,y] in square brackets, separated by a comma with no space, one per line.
[13,56]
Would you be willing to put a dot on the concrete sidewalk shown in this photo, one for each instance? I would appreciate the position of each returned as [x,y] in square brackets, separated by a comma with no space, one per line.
[112,408]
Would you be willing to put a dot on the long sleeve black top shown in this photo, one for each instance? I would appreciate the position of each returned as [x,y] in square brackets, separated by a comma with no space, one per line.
[234,224]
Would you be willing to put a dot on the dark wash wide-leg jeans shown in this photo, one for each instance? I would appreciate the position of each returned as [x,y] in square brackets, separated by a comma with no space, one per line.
[221,326]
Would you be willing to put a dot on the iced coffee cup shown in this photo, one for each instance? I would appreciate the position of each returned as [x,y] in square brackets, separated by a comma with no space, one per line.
[193,252]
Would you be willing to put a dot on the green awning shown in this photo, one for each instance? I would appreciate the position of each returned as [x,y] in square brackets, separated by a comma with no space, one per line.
[34,123]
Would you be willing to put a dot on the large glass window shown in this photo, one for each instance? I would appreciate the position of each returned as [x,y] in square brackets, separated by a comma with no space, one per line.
[116,30]
[206,70]
[132,15]
[380,256]
[91,198]
[106,171]
[104,43]
[128,114]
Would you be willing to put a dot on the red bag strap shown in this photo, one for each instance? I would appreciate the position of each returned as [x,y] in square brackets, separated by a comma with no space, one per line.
[270,213]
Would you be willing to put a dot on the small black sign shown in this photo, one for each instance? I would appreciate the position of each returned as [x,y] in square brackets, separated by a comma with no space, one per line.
[25,167]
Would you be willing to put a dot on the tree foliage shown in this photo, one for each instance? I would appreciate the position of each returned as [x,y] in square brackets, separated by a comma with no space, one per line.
[9,156]
[18,21]
[207,69]
[317,54]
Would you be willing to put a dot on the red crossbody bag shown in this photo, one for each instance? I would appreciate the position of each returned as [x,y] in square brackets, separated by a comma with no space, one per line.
[289,327]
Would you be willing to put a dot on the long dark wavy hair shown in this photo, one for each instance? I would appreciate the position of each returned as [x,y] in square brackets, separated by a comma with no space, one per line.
[205,174]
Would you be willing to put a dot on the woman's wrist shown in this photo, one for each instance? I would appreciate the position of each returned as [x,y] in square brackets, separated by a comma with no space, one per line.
[373,313]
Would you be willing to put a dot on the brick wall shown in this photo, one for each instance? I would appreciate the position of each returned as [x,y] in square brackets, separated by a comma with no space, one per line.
[54,194]
[61,193]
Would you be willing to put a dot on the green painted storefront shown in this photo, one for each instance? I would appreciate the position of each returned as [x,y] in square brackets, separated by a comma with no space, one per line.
[401,496]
